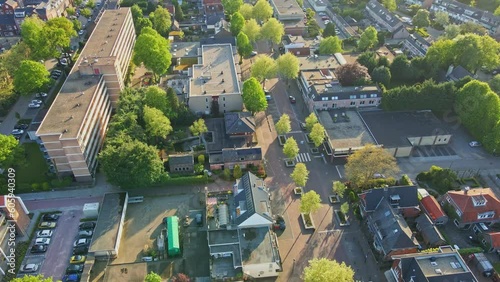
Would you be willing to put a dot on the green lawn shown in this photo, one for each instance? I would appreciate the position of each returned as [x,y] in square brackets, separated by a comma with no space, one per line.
[34,170]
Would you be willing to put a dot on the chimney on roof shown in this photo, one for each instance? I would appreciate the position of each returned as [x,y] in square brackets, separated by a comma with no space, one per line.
[222,81]
[466,189]
[221,72]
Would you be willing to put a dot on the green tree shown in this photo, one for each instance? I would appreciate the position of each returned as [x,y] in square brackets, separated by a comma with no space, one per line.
[310,202]
[70,11]
[497,11]
[329,30]
[288,65]
[301,3]
[291,149]
[283,125]
[155,97]
[31,33]
[313,29]
[491,140]
[330,45]
[390,5]
[382,75]
[30,77]
[237,23]
[198,127]
[253,96]
[365,163]
[272,30]
[495,83]
[421,19]
[130,163]
[339,188]
[227,174]
[231,6]
[90,4]
[383,61]
[401,69]
[414,9]
[179,14]
[264,67]
[243,44]
[11,153]
[152,50]
[440,53]
[352,74]
[246,10]
[300,175]
[344,208]
[317,134]
[161,20]
[473,51]
[77,25]
[136,12]
[157,124]
[201,159]
[31,278]
[262,11]
[472,27]
[368,39]
[77,3]
[310,14]
[86,12]
[369,60]
[442,18]
[141,24]
[311,120]
[237,173]
[451,31]
[325,270]
[252,30]
[152,277]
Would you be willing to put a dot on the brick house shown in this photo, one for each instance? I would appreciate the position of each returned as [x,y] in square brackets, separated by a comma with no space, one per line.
[431,207]
[13,208]
[478,205]
[8,25]
[403,199]
[492,241]
[182,164]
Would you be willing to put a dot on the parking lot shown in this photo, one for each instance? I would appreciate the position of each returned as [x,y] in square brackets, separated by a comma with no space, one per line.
[433,151]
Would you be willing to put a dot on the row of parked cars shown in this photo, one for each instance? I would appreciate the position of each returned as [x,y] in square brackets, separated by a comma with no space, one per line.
[80,250]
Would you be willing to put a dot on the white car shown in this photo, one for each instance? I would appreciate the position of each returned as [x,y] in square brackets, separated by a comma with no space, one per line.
[81,32]
[322,13]
[326,22]
[43,94]
[475,144]
[31,267]
[36,101]
[81,242]
[45,233]
[34,106]
[17,132]
[42,241]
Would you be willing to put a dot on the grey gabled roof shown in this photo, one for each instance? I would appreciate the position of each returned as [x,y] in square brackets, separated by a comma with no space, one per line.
[383,13]
[239,123]
[253,196]
[428,230]
[241,154]
[180,160]
[393,231]
[373,197]
[458,73]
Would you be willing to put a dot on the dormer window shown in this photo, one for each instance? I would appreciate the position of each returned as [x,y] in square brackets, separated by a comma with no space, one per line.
[394,199]
[485,215]
[479,201]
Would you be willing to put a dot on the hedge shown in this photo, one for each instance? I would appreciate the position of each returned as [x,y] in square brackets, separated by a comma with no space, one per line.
[468,251]
[187,180]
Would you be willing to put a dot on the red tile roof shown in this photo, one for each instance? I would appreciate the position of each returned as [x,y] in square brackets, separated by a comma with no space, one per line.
[464,201]
[432,207]
[212,2]
[2,201]
[495,239]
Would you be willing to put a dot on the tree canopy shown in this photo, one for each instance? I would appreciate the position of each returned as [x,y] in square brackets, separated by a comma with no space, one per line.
[363,165]
[311,120]
[246,11]
[161,20]
[30,77]
[368,59]
[198,127]
[152,277]
[262,11]
[231,6]
[291,149]
[495,83]
[272,30]
[442,18]
[283,125]
[325,270]
[382,75]
[288,66]
[310,202]
[401,69]
[264,67]
[252,30]
[157,124]
[317,134]
[300,175]
[237,23]
[152,50]
[329,30]
[243,44]
[352,74]
[156,97]
[339,188]
[368,39]
[253,96]
[330,45]
[421,18]
[31,278]
[390,5]
[10,151]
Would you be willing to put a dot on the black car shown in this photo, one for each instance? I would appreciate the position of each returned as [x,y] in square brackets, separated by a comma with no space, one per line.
[74,268]
[82,250]
[38,249]
[86,225]
[50,217]
[21,126]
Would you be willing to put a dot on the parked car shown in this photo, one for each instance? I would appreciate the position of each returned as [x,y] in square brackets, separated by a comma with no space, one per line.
[292,99]
[81,32]
[50,217]
[30,267]
[21,126]
[302,125]
[80,250]
[74,268]
[46,233]
[71,278]
[17,132]
[36,101]
[86,225]
[268,98]
[34,106]
[254,53]
[475,144]
[199,219]
[77,259]
[47,224]
[42,241]
[327,22]
[63,61]
[36,249]
[85,233]
[207,172]
[81,242]
[322,13]
[325,18]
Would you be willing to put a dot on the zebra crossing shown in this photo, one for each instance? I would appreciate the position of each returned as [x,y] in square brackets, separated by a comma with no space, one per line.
[303,158]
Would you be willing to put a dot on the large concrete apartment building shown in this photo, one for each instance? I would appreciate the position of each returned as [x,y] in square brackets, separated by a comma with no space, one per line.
[215,80]
[73,130]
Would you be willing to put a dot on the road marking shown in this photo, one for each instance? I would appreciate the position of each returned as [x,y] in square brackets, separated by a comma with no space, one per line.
[303,157]
[330,230]
[338,171]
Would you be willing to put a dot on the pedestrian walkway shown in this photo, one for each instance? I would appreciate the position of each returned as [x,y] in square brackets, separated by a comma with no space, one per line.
[303,158]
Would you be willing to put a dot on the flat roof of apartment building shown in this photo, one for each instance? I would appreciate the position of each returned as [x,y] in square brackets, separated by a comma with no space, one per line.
[108,223]
[216,74]
[313,62]
[68,110]
[287,7]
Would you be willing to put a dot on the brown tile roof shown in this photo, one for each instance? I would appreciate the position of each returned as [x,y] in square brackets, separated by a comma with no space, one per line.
[495,239]
[432,207]
[464,201]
